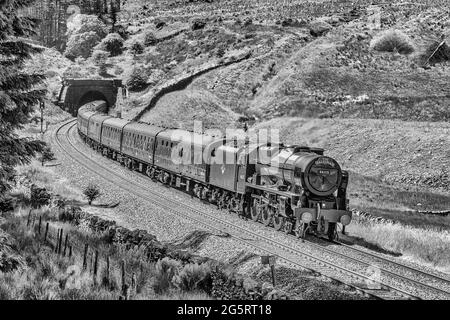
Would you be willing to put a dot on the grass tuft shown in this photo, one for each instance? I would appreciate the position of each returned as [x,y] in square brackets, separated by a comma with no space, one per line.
[393,41]
[426,246]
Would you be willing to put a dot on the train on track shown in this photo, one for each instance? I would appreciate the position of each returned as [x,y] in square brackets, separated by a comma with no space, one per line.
[295,189]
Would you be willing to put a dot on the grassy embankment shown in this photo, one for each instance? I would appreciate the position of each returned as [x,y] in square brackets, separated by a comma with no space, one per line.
[32,268]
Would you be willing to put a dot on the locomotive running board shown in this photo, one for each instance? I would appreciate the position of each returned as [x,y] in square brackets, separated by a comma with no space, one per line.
[278,192]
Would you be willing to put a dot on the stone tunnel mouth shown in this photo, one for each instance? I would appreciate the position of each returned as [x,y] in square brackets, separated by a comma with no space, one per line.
[93,96]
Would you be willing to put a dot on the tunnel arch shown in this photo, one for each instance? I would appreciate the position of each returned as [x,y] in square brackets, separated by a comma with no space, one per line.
[93,96]
[76,92]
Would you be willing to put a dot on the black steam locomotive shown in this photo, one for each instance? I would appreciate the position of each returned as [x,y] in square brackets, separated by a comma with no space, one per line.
[292,188]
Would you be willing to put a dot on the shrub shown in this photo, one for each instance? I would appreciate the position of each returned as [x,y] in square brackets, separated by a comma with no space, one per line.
[81,45]
[198,24]
[6,203]
[122,31]
[166,270]
[137,48]
[159,24]
[248,22]
[150,39]
[393,41]
[113,43]
[137,79]
[193,277]
[91,192]
[100,57]
[46,155]
[220,52]
[39,196]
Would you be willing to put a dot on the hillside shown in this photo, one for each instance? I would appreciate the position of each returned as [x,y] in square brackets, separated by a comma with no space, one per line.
[292,72]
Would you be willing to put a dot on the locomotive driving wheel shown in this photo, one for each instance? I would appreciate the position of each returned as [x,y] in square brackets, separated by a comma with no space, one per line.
[211,196]
[266,216]
[288,226]
[300,229]
[278,222]
[221,201]
[255,212]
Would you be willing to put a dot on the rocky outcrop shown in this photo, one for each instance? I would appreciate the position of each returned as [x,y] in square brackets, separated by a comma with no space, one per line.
[319,28]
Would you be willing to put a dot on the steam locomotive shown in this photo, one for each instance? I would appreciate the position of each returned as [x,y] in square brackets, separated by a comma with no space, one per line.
[295,189]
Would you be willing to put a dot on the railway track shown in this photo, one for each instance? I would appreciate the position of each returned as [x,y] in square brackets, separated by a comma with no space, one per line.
[391,285]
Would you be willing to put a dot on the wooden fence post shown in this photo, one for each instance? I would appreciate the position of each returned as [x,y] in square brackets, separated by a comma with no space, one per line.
[46,232]
[95,267]
[65,244]
[107,272]
[60,241]
[34,220]
[133,283]
[28,220]
[40,222]
[85,256]
[91,262]
[57,240]
[123,274]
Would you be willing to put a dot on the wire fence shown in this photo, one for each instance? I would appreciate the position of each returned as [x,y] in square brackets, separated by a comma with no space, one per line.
[96,260]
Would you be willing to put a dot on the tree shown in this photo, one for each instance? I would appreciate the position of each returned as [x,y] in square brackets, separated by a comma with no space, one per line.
[82,23]
[91,192]
[81,45]
[113,43]
[19,94]
[84,32]
[113,15]
[46,155]
[137,79]
[100,58]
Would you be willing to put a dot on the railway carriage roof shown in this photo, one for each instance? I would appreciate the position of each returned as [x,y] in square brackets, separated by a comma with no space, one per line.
[99,117]
[186,137]
[85,113]
[142,128]
[116,122]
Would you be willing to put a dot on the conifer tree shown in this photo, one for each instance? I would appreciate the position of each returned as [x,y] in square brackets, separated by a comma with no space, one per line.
[18,93]
[113,15]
